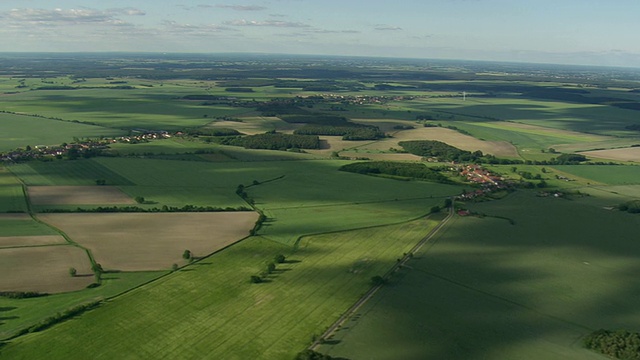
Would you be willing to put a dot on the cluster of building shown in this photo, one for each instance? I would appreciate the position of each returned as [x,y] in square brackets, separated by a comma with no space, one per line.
[476,174]
[362,99]
[79,148]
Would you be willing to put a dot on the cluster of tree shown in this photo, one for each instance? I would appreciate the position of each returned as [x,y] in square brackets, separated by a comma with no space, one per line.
[400,169]
[619,344]
[632,207]
[239,89]
[59,317]
[21,294]
[274,141]
[211,132]
[350,132]
[634,127]
[137,209]
[446,152]
[269,268]
[314,355]
[440,150]
[319,119]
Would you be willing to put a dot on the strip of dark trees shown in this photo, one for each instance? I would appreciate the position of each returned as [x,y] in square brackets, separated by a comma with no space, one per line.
[399,169]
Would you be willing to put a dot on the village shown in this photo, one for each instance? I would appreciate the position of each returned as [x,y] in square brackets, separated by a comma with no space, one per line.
[84,148]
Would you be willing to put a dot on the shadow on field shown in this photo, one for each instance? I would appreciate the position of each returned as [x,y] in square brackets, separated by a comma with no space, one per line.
[489,290]
[7,308]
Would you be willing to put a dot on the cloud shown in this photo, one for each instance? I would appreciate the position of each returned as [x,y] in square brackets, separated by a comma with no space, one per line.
[241,7]
[267,23]
[382,27]
[175,28]
[69,16]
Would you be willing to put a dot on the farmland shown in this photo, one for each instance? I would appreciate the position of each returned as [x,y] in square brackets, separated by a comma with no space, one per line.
[543,258]
[146,242]
[489,289]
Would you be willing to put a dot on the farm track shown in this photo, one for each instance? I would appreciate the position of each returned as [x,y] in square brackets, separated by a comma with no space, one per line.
[369,294]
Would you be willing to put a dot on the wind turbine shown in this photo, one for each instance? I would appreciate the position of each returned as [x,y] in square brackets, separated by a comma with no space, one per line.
[464,96]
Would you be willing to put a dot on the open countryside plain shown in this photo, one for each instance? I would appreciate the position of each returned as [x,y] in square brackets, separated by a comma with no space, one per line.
[145,242]
[528,277]
[488,289]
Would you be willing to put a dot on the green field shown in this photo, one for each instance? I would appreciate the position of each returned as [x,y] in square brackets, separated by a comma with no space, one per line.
[609,174]
[486,289]
[179,316]
[18,131]
[526,279]
[17,314]
[11,194]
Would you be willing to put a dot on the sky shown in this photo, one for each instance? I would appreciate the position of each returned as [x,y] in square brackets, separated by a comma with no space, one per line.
[586,32]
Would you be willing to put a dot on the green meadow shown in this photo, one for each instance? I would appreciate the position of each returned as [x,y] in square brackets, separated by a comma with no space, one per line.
[487,289]
[20,131]
[211,308]
[11,194]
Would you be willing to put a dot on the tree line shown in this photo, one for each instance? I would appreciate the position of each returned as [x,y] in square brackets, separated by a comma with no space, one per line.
[405,170]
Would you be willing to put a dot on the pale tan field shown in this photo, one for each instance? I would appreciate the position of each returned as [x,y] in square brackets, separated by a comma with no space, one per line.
[330,144]
[16,216]
[152,241]
[624,154]
[77,195]
[451,137]
[14,241]
[44,269]
[255,125]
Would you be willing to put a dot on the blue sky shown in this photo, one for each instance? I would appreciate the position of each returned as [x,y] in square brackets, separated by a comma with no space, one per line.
[592,32]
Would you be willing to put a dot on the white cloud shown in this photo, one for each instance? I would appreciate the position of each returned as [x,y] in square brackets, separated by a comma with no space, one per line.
[241,7]
[58,16]
[383,27]
[267,23]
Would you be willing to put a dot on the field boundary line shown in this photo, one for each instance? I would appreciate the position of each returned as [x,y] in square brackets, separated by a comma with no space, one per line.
[372,291]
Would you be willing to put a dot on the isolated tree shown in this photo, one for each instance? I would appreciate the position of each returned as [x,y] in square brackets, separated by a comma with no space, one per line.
[279,259]
[174,267]
[271,267]
[377,280]
[435,209]
[72,271]
[139,199]
[255,279]
[187,255]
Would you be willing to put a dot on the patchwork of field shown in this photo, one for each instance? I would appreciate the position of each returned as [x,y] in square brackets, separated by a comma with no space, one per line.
[77,195]
[251,125]
[625,154]
[487,289]
[213,309]
[144,242]
[44,269]
[451,137]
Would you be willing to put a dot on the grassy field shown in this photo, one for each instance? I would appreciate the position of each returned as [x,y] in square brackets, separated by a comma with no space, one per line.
[11,194]
[608,174]
[22,225]
[486,289]
[145,242]
[17,314]
[141,108]
[18,131]
[314,197]
[77,172]
[229,318]
[77,195]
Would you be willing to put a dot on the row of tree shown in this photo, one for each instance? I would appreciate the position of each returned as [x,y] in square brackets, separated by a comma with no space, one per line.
[274,141]
[400,169]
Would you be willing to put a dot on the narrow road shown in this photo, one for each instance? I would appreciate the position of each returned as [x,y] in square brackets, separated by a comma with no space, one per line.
[369,294]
